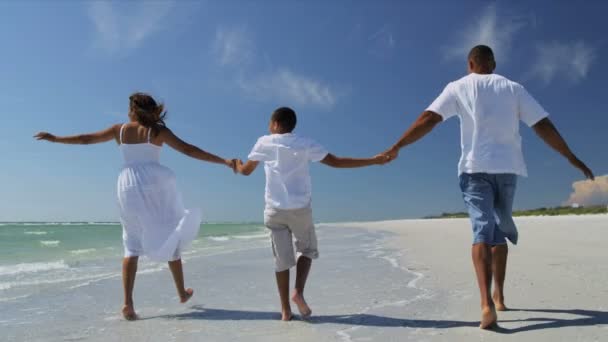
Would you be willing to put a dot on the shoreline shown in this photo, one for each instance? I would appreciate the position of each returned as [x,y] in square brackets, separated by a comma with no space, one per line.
[548,306]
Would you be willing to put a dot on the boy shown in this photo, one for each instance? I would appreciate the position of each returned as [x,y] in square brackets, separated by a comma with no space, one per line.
[286,158]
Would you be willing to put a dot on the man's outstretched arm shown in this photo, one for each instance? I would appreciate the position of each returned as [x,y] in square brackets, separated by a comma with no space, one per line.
[421,127]
[549,134]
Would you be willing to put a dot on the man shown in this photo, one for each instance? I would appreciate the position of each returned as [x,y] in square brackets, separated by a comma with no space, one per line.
[489,107]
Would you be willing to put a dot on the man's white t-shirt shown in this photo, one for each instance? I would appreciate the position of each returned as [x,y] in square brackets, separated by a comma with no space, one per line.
[286,160]
[490,107]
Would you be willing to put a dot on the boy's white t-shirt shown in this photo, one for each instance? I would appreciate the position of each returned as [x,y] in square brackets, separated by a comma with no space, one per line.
[490,108]
[286,160]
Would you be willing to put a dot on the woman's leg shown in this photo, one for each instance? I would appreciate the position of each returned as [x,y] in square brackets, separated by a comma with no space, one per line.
[129,270]
[178,276]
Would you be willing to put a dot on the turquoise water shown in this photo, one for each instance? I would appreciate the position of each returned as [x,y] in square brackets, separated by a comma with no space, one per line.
[33,242]
[36,255]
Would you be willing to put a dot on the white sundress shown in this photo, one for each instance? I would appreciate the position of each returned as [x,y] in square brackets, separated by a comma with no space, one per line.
[155,223]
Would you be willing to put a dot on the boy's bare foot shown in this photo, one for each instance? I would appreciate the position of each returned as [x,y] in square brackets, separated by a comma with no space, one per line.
[302,305]
[286,316]
[186,295]
[499,302]
[488,318]
[128,312]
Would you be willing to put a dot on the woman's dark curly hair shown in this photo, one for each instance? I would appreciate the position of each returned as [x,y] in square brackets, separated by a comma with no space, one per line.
[147,112]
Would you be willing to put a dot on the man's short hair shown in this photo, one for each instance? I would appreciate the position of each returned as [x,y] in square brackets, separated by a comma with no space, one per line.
[286,118]
[482,55]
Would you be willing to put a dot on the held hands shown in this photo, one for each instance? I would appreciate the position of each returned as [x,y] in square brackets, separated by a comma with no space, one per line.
[390,154]
[232,163]
[380,159]
[45,136]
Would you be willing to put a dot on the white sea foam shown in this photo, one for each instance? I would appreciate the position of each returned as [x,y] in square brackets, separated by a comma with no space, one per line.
[36,233]
[83,251]
[32,267]
[219,238]
[87,278]
[252,236]
[50,243]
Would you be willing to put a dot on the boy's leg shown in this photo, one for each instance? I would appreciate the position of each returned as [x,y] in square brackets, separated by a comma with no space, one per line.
[282,249]
[478,195]
[302,226]
[283,287]
[178,277]
[129,270]
[302,269]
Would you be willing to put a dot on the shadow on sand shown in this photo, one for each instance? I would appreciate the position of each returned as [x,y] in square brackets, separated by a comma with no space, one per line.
[589,318]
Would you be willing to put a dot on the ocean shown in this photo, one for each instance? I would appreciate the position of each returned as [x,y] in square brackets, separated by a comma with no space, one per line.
[38,256]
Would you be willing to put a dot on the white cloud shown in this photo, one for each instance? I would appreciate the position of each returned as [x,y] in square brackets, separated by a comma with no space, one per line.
[285,86]
[122,32]
[382,43]
[235,51]
[233,47]
[571,61]
[588,192]
[488,29]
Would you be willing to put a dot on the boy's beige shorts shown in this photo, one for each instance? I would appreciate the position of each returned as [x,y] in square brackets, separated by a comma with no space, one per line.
[285,223]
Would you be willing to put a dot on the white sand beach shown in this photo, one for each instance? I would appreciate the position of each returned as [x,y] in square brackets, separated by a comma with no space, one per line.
[409,280]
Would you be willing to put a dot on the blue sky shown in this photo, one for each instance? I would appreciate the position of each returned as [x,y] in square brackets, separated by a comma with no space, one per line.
[357,73]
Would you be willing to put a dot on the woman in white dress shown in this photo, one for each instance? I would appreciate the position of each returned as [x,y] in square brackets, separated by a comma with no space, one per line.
[155,223]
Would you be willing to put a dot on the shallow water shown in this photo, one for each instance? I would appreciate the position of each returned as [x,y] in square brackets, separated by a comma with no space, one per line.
[355,280]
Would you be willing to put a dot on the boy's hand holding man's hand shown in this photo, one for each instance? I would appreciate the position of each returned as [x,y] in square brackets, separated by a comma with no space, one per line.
[381,159]
[232,163]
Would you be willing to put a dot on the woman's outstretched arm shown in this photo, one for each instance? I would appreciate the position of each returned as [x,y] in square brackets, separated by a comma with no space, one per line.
[192,151]
[82,139]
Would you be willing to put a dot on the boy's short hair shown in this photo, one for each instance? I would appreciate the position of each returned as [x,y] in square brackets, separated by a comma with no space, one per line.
[286,118]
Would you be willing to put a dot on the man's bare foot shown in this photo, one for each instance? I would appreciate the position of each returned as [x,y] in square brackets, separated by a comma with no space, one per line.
[186,295]
[488,318]
[499,302]
[302,305]
[128,312]
[286,316]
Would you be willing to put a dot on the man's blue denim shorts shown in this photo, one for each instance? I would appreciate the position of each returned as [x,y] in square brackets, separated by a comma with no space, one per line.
[489,201]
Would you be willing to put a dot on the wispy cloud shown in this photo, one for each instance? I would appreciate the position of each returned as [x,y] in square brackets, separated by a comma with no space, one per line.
[570,61]
[590,192]
[382,42]
[122,32]
[285,86]
[233,47]
[235,51]
[488,29]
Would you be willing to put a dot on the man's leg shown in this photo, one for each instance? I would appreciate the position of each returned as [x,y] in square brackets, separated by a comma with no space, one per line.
[503,206]
[129,270]
[478,195]
[482,261]
[178,277]
[499,269]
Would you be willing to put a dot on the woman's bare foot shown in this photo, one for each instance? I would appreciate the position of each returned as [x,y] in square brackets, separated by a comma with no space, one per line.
[128,312]
[305,311]
[488,318]
[286,316]
[499,302]
[184,297]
